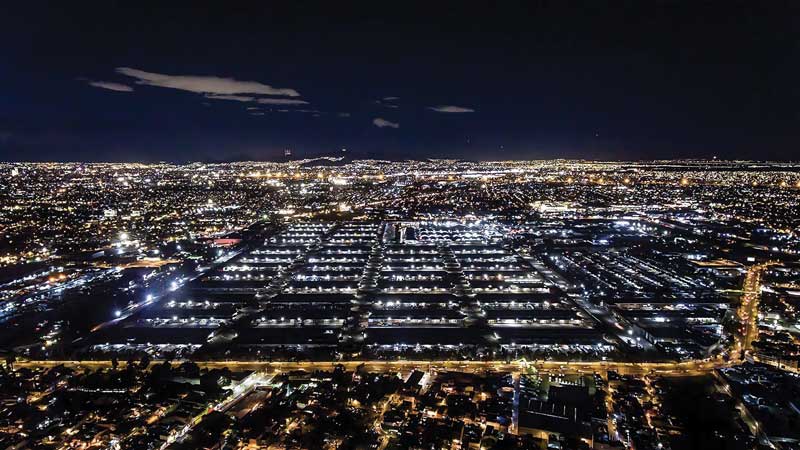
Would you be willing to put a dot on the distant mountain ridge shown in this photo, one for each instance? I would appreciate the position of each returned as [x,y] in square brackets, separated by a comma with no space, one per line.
[331,159]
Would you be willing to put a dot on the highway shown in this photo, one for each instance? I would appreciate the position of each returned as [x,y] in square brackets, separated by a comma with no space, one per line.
[632,368]
[134,308]
[748,309]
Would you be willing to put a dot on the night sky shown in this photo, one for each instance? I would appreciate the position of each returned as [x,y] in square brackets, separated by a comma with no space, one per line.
[123,81]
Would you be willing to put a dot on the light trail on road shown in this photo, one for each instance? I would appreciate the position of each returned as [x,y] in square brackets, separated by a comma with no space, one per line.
[748,309]
[629,368]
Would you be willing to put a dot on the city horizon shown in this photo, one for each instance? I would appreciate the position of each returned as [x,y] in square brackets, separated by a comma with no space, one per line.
[282,160]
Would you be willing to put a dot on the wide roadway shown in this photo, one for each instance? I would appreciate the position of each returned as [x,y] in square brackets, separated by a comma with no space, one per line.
[686,368]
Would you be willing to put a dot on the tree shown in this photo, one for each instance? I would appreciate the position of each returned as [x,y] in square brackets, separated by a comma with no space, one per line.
[144,363]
